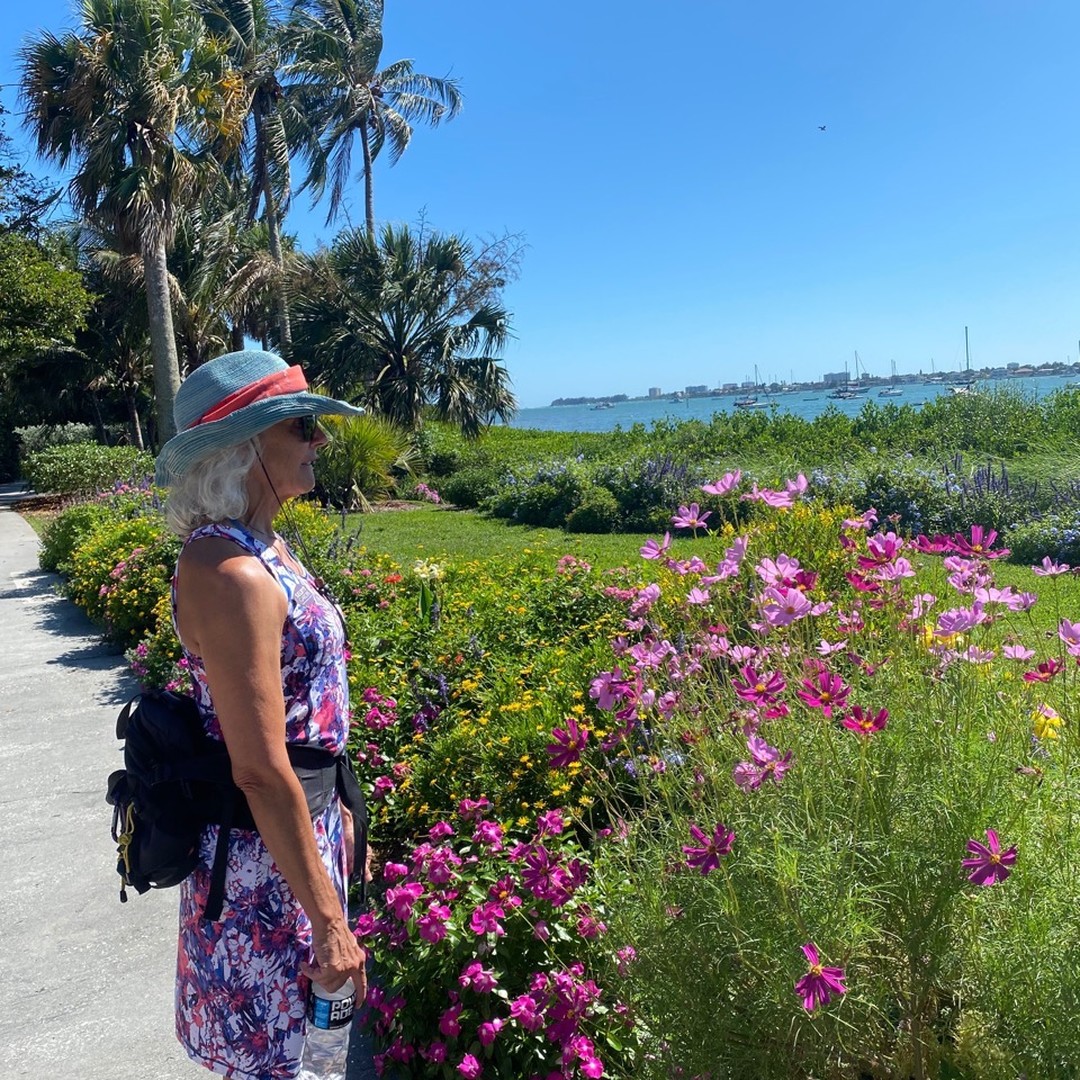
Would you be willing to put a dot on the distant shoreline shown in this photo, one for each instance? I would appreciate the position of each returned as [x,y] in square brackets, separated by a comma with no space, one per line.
[874,382]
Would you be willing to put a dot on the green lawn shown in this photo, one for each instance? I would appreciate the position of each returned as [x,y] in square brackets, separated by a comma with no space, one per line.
[407,535]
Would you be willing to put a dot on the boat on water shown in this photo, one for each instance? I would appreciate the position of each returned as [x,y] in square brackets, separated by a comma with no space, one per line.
[890,391]
[842,395]
[602,405]
[747,402]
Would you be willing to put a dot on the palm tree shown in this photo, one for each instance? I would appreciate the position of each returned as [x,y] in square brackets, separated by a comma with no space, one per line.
[123,99]
[253,36]
[395,321]
[335,47]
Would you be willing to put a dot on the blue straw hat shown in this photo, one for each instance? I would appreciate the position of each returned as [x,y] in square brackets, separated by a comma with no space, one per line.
[232,398]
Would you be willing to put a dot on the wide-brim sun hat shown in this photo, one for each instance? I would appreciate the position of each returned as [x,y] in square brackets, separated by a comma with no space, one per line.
[232,398]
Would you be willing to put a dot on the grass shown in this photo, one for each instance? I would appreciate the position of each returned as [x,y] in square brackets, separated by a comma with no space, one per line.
[407,535]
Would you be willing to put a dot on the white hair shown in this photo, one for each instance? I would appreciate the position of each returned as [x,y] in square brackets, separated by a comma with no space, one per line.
[213,489]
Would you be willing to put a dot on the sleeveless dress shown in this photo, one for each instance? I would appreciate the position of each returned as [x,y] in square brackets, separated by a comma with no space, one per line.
[240,994]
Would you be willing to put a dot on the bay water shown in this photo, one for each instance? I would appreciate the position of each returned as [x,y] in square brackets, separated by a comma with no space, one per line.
[806,404]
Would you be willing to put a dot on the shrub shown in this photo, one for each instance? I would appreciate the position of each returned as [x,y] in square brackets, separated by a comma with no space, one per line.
[86,468]
[362,459]
[545,496]
[473,486]
[119,573]
[1056,536]
[40,436]
[68,530]
[598,512]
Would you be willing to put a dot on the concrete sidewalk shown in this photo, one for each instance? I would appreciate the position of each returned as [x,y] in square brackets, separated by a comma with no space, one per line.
[86,984]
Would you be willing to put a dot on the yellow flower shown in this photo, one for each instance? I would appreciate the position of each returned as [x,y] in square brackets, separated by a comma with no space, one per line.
[1045,722]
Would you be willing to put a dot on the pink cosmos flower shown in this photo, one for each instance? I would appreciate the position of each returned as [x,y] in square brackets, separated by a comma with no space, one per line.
[609,688]
[781,606]
[960,620]
[707,857]
[863,521]
[691,517]
[1044,672]
[782,570]
[825,691]
[725,485]
[568,744]
[1050,568]
[864,722]
[797,486]
[765,764]
[762,689]
[820,983]
[644,599]
[698,596]
[1070,634]
[880,548]
[778,500]
[988,863]
[1017,652]
[652,550]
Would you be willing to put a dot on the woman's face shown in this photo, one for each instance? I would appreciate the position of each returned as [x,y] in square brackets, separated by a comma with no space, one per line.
[289,455]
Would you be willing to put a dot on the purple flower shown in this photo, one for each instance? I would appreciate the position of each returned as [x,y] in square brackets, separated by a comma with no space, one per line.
[653,550]
[479,978]
[568,744]
[690,517]
[470,1068]
[988,863]
[707,857]
[820,983]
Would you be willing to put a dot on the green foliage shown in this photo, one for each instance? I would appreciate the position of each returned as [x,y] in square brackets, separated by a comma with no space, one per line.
[86,468]
[68,530]
[1056,536]
[39,436]
[598,512]
[42,302]
[363,460]
[118,574]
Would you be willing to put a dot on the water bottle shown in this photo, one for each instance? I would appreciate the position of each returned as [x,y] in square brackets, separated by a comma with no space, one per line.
[329,1020]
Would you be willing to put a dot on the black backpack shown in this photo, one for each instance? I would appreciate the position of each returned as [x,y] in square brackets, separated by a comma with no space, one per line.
[176,780]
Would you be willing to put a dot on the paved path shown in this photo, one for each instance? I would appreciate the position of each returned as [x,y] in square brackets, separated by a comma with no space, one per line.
[86,985]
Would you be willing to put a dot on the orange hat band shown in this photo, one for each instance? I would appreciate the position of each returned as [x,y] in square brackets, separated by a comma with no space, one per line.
[276,384]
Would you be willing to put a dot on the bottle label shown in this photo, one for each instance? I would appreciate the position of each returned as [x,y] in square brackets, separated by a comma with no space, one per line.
[327,1014]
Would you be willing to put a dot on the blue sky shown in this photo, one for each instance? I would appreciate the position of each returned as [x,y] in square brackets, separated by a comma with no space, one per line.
[686,221]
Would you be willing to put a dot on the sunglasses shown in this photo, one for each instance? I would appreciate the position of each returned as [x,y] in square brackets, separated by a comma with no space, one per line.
[306,426]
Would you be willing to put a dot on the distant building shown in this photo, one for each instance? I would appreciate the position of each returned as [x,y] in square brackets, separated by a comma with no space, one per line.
[703,389]
[655,391]
[833,378]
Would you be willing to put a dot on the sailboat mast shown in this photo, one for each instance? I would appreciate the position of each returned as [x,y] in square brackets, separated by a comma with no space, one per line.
[967,354]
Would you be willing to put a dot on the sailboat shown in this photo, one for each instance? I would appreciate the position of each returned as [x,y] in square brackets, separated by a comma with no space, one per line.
[965,385]
[893,390]
[750,401]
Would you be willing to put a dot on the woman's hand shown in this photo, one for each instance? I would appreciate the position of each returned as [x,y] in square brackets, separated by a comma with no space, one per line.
[338,958]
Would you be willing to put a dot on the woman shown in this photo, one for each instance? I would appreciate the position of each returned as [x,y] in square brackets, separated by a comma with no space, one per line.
[267,656]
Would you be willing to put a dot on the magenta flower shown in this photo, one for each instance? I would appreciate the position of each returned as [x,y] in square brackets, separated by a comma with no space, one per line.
[485,919]
[725,485]
[825,691]
[988,863]
[449,1024]
[762,689]
[864,722]
[979,545]
[820,983]
[432,926]
[1070,634]
[568,743]
[960,620]
[1044,672]
[470,1068]
[489,1030]
[707,857]
[765,764]
[479,978]
[690,517]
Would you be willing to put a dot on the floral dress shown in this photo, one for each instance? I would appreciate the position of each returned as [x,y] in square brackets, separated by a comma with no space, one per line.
[240,994]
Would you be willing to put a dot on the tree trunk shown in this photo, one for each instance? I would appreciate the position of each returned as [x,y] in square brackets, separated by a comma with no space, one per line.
[130,395]
[236,337]
[281,296]
[162,337]
[369,183]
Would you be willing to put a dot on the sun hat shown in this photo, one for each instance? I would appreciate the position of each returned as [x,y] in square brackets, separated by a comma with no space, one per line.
[230,399]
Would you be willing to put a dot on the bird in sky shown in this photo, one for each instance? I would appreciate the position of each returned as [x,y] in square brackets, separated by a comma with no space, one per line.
[821,127]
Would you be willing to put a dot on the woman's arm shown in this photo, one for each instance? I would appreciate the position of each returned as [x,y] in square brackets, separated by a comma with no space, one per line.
[231,612]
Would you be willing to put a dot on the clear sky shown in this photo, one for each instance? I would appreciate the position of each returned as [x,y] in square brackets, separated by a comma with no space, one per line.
[686,220]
